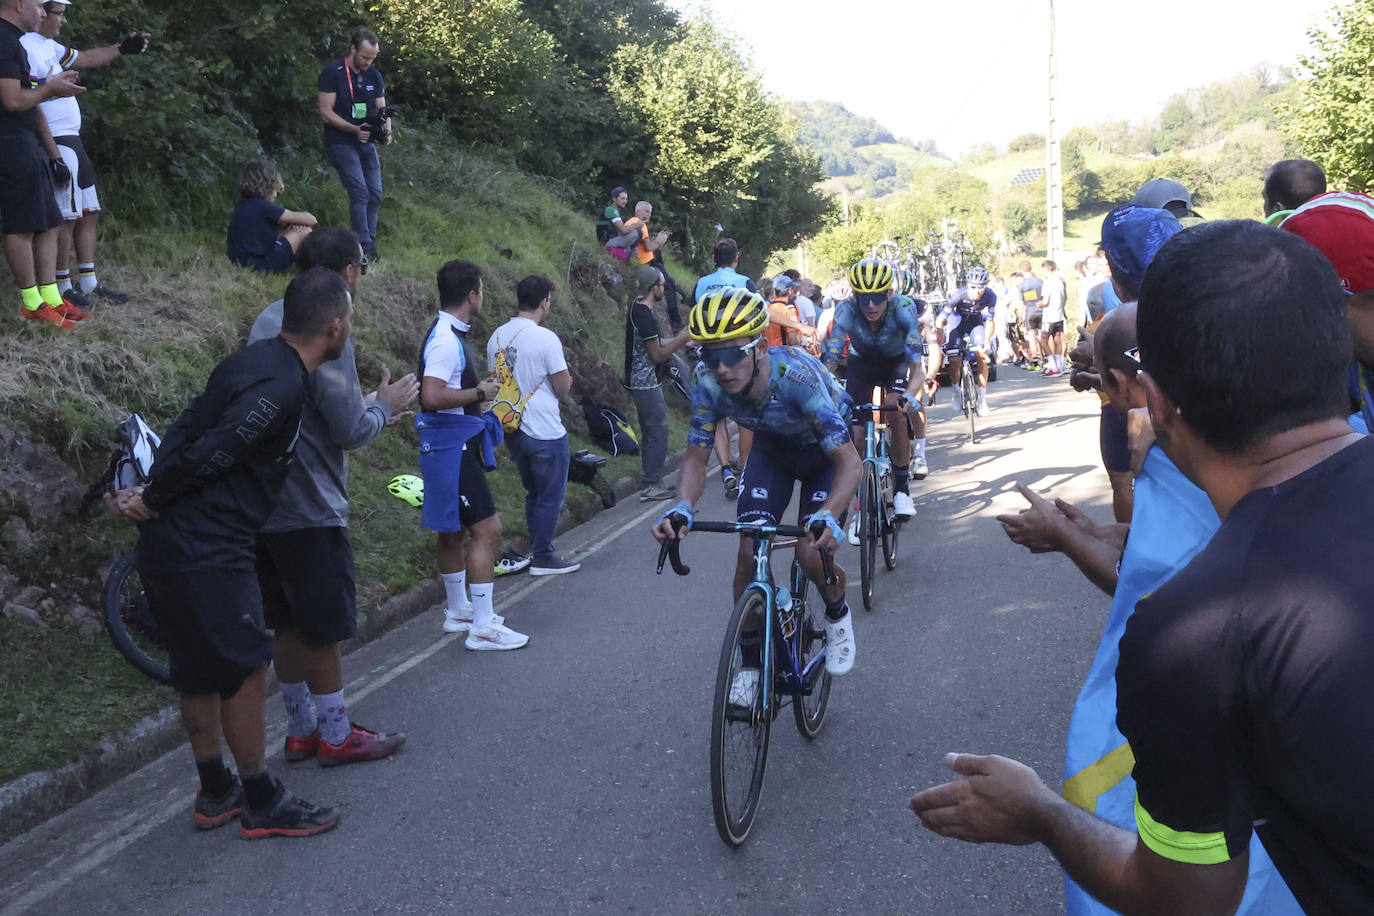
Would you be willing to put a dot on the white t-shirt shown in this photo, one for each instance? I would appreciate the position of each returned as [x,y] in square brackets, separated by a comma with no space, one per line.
[1054,298]
[533,355]
[806,310]
[444,358]
[48,58]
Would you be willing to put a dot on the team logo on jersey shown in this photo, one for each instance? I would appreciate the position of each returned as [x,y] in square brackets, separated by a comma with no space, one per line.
[797,376]
[759,492]
[820,496]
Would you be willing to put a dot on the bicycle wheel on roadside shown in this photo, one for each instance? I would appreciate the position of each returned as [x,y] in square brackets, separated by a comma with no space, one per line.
[868,532]
[739,727]
[130,623]
[809,711]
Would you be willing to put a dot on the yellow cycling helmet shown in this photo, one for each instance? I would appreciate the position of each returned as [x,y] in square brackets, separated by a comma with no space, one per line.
[726,314]
[871,276]
[407,487]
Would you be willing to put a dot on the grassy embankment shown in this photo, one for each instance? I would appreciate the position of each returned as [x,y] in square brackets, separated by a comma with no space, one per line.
[60,692]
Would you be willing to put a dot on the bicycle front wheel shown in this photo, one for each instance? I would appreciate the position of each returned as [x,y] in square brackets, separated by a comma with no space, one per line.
[970,404]
[868,532]
[739,724]
[130,623]
[809,711]
[890,528]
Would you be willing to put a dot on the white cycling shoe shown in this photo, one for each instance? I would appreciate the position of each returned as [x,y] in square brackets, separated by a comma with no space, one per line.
[919,468]
[839,645]
[853,536]
[744,689]
[981,408]
[902,506]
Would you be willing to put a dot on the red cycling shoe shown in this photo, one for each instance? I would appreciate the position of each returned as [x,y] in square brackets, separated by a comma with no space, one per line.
[361,744]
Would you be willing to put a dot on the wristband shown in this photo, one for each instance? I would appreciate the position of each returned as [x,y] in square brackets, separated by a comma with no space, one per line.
[683,509]
[824,515]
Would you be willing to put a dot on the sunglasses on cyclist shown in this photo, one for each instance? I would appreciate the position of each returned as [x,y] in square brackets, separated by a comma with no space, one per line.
[872,300]
[976,290]
[727,356]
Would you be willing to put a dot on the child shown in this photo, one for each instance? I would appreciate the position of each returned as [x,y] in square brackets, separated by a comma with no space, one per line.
[262,235]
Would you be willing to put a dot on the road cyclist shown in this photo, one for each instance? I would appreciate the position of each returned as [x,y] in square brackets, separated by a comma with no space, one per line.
[886,345]
[968,316]
[800,419]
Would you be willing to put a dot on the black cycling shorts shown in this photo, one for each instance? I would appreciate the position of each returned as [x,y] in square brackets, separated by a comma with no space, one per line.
[307,583]
[85,172]
[1053,327]
[1033,319]
[774,465]
[27,203]
[1112,440]
[863,374]
[211,621]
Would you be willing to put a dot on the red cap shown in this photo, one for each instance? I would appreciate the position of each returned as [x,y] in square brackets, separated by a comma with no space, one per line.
[1341,226]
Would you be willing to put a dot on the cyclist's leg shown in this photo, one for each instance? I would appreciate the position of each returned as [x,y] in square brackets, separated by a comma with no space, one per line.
[817,473]
[765,491]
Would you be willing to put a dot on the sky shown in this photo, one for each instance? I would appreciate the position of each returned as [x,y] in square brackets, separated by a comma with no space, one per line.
[972,71]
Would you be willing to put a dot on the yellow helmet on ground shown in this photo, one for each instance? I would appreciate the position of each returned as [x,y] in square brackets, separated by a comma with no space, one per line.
[726,314]
[407,487]
[871,276]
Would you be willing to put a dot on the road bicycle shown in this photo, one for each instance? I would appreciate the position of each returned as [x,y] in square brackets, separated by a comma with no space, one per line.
[877,521]
[774,652]
[678,377]
[968,386]
[130,623]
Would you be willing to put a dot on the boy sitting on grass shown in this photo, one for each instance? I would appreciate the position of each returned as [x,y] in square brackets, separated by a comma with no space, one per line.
[263,235]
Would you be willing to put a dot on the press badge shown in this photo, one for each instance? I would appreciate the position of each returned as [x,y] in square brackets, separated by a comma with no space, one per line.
[360,110]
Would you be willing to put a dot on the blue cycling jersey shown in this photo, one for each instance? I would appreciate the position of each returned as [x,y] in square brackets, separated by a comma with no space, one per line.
[719,279]
[967,311]
[803,403]
[899,334]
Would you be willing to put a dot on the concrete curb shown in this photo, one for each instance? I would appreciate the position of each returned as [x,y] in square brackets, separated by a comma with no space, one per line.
[35,797]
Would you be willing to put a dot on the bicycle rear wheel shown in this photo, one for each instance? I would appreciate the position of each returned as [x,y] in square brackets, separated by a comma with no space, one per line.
[739,732]
[130,623]
[868,532]
[809,711]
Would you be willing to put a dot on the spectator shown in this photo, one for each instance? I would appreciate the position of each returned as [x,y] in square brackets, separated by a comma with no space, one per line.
[1052,319]
[540,446]
[216,479]
[617,234]
[1241,679]
[78,201]
[806,309]
[457,448]
[31,168]
[263,235]
[1091,279]
[808,302]
[1341,226]
[1032,303]
[645,352]
[727,273]
[1167,194]
[350,91]
[785,327]
[304,557]
[1173,520]
[1288,185]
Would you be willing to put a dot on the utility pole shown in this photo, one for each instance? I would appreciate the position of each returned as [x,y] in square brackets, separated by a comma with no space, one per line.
[1054,179]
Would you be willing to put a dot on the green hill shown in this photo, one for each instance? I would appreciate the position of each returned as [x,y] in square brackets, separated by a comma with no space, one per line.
[861,156]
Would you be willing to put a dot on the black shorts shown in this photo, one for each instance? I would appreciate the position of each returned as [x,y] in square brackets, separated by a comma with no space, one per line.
[85,172]
[307,583]
[1033,319]
[863,374]
[475,502]
[1054,327]
[774,465]
[1111,439]
[212,622]
[27,204]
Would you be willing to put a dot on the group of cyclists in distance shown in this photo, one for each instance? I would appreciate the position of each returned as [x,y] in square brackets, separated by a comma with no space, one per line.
[796,416]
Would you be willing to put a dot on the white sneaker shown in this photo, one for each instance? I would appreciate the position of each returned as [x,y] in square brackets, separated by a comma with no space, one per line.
[902,506]
[839,645]
[981,408]
[463,622]
[853,536]
[494,637]
[919,468]
[744,689]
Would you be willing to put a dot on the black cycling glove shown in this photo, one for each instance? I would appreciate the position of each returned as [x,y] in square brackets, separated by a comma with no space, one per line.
[136,43]
[61,175]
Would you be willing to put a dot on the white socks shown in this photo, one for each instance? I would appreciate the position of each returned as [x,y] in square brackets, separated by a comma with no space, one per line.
[333,717]
[482,612]
[918,448]
[456,592]
[86,273]
[300,714]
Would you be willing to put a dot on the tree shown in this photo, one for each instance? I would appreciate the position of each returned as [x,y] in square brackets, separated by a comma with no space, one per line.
[1026,142]
[1017,222]
[1334,119]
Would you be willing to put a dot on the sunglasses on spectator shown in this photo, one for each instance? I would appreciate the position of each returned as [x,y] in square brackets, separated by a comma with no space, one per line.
[872,300]
[727,356]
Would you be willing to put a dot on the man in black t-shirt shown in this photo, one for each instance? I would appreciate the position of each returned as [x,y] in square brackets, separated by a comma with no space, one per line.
[351,90]
[1244,684]
[215,480]
[645,352]
[30,166]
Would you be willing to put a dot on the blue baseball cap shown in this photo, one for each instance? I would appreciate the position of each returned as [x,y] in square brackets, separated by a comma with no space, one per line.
[783,283]
[1132,236]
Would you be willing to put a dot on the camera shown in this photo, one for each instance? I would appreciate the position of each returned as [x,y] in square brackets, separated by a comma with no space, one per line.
[375,121]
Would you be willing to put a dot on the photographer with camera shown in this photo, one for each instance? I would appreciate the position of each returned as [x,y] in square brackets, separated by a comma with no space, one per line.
[352,103]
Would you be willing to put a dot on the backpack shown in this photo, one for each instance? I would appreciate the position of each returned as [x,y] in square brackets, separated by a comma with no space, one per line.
[508,405]
[131,462]
[609,429]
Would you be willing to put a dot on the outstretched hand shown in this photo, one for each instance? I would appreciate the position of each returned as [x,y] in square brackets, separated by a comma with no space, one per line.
[1040,527]
[995,800]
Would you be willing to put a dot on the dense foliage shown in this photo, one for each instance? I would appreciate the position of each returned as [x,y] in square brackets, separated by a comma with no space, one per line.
[1334,116]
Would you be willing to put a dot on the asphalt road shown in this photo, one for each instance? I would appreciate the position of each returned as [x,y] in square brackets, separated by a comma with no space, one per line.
[571,776]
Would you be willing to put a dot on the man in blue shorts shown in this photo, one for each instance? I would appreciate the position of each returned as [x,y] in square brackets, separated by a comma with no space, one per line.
[800,419]
[883,331]
[968,316]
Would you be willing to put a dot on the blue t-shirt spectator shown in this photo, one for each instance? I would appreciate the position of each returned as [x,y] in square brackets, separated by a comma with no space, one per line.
[355,96]
[254,240]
